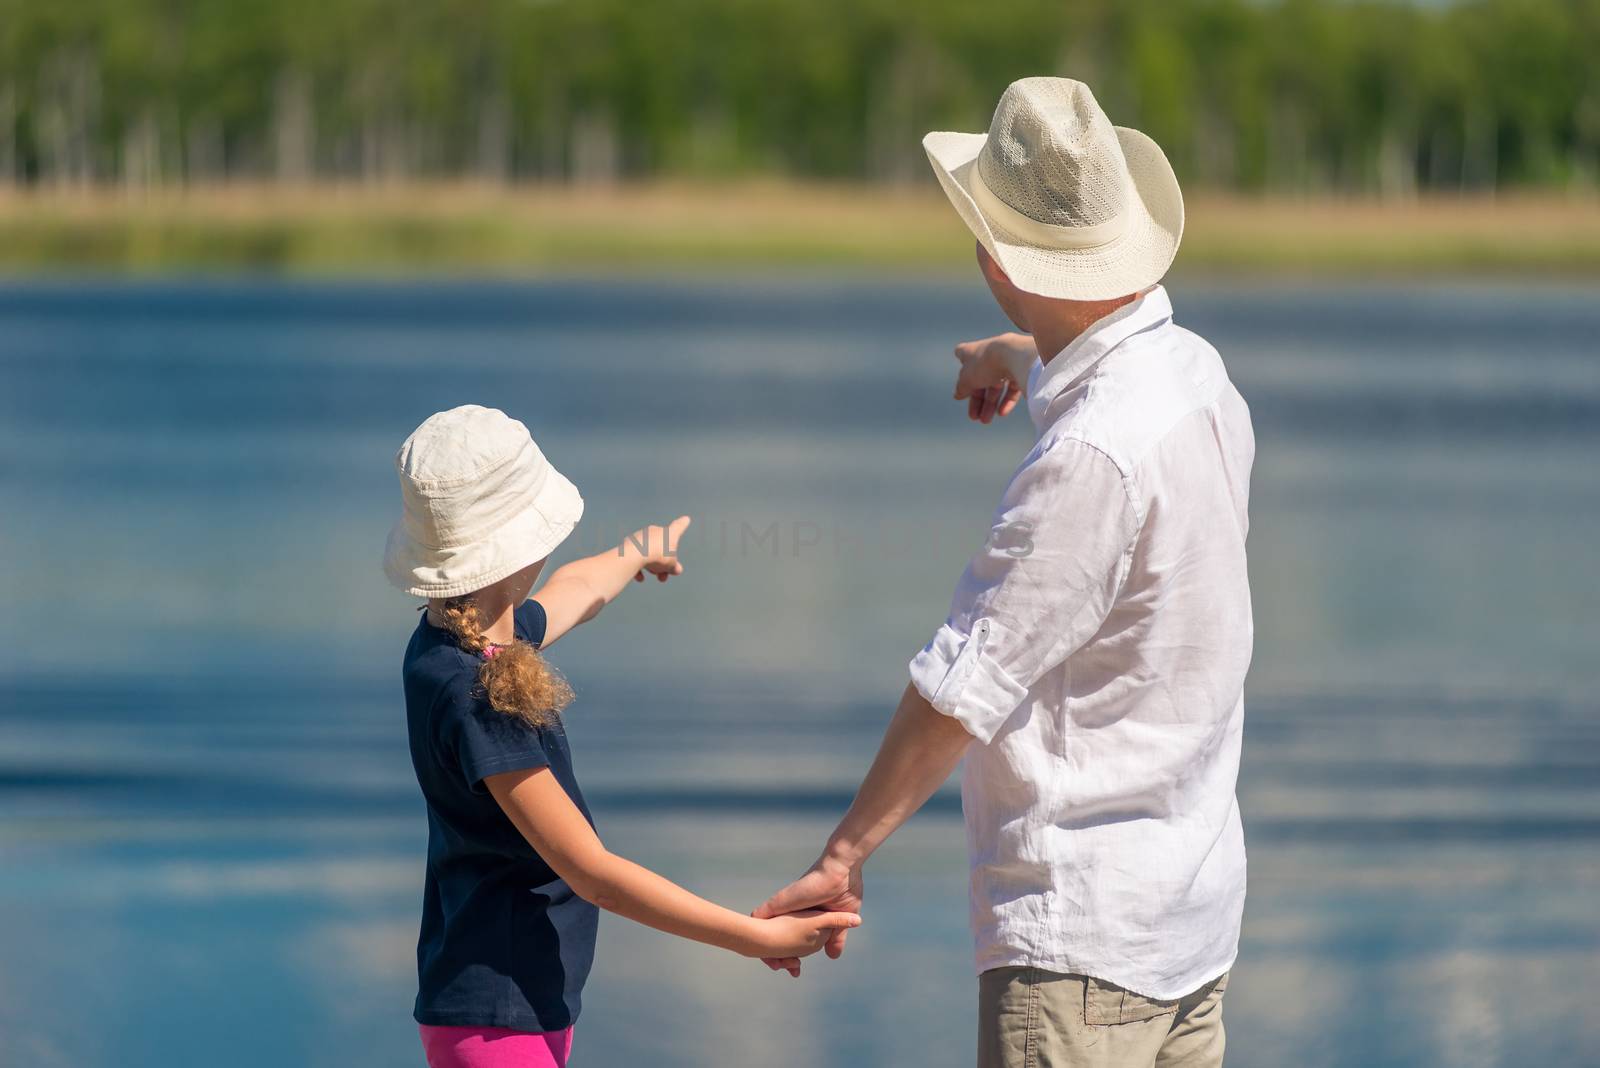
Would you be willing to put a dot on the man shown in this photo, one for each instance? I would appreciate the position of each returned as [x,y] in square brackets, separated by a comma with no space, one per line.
[1092,667]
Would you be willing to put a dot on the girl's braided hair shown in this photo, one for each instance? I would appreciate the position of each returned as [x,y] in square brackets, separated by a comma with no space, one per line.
[516,678]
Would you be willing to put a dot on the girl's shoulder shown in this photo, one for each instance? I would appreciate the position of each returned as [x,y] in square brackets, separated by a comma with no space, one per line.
[440,683]
[436,666]
[530,622]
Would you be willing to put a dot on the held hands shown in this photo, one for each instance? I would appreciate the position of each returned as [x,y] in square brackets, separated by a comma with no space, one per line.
[656,549]
[794,935]
[993,375]
[831,884]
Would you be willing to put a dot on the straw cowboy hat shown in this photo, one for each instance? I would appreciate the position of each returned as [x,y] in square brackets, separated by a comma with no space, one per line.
[1068,205]
[479,502]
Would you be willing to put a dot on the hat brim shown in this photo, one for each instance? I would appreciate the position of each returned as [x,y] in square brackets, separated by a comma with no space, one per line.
[1133,261]
[528,537]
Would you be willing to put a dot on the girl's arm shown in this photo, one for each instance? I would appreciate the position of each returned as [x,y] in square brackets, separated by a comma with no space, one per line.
[574,593]
[552,824]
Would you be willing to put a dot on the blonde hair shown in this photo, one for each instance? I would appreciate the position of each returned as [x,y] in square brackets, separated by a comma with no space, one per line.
[516,678]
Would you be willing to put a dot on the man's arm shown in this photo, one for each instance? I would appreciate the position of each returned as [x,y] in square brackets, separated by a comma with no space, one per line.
[920,749]
[994,374]
[1041,586]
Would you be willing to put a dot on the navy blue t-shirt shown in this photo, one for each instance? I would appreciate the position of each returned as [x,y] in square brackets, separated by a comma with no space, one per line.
[504,942]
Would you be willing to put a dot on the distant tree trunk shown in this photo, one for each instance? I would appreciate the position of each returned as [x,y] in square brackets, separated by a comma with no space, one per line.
[344,157]
[141,153]
[1397,163]
[1093,55]
[1480,148]
[1217,150]
[596,151]
[294,128]
[8,135]
[551,166]
[892,132]
[1586,139]
[411,155]
[712,144]
[371,151]
[69,117]
[388,150]
[494,138]
[1287,152]
[1440,148]
[204,158]
[1081,59]
[380,138]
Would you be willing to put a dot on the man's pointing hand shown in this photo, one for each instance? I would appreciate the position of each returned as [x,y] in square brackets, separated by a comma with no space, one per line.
[994,373]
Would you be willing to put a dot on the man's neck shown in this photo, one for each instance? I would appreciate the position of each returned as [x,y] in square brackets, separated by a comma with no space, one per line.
[1058,323]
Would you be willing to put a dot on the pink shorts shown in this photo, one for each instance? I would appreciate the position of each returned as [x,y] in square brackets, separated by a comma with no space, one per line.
[494,1047]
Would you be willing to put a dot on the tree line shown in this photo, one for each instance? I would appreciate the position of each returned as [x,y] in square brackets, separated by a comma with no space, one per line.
[1343,96]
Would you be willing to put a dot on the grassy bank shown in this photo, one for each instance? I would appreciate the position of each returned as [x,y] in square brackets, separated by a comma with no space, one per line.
[494,230]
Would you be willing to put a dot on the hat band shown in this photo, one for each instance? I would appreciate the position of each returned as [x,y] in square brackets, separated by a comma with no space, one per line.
[1041,233]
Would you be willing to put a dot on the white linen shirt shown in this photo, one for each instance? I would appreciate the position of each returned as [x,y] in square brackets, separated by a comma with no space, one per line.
[1096,649]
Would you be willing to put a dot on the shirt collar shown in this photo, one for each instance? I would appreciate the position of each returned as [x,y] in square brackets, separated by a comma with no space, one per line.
[1050,380]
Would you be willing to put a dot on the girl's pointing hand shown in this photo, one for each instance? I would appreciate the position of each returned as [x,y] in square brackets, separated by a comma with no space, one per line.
[658,548]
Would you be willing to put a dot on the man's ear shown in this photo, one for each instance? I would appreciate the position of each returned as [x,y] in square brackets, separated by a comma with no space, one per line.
[990,267]
[1006,294]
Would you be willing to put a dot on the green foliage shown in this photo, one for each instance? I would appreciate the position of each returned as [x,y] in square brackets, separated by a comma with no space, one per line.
[1346,95]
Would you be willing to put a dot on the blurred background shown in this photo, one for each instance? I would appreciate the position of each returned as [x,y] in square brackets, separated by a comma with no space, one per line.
[246,247]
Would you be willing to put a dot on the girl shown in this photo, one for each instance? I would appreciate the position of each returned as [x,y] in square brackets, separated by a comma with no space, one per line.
[516,877]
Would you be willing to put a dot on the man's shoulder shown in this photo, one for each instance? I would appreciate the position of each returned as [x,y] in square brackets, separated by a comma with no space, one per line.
[1140,391]
[1191,341]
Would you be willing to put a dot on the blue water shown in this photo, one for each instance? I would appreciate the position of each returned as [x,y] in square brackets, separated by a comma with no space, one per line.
[210,832]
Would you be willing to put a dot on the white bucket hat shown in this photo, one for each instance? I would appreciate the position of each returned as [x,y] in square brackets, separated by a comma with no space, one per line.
[480,502]
[1068,205]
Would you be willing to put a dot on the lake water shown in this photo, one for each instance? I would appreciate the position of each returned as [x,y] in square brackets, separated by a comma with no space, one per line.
[210,830]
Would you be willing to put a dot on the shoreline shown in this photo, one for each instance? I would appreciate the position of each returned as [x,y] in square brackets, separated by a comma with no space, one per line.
[475,230]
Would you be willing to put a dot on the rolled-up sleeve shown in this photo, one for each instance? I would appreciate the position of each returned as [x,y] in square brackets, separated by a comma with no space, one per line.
[1041,586]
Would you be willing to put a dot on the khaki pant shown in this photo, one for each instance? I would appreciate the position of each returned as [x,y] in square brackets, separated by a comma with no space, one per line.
[1030,1018]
